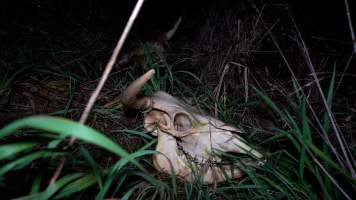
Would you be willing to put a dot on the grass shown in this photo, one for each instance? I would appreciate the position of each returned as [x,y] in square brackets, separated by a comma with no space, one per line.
[112,158]
[8,78]
[293,173]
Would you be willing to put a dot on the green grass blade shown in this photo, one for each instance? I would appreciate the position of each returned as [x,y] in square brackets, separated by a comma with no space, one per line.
[23,161]
[326,189]
[52,189]
[128,194]
[115,170]
[95,168]
[330,162]
[326,124]
[77,186]
[305,137]
[188,189]
[36,185]
[139,133]
[69,128]
[326,120]
[8,150]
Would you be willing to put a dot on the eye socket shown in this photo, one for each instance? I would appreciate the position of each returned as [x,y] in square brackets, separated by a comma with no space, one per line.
[182,122]
[156,119]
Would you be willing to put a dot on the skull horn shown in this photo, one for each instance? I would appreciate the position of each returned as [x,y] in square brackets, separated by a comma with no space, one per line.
[129,97]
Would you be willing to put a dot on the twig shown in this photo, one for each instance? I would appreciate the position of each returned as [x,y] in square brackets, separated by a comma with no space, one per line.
[246,74]
[348,64]
[352,33]
[111,62]
[102,81]
[218,88]
[58,170]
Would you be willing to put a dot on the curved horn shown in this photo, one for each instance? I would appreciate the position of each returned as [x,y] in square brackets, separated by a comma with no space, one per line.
[129,96]
[171,32]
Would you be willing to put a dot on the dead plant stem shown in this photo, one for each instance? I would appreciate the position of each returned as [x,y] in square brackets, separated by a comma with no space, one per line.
[102,81]
[352,33]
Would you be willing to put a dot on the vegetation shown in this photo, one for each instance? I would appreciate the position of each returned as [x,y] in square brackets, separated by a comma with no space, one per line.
[302,124]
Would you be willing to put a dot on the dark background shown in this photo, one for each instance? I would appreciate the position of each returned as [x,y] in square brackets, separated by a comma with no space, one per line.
[322,24]
[317,17]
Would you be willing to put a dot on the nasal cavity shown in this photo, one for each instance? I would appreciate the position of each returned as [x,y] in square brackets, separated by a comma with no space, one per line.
[182,122]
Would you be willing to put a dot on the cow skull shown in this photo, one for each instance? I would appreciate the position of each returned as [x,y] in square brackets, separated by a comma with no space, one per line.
[189,142]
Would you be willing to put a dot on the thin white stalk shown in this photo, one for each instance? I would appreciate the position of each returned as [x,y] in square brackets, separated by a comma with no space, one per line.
[111,62]
[352,33]
[102,81]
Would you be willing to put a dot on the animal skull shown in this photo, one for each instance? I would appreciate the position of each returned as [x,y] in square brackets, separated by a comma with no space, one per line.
[189,142]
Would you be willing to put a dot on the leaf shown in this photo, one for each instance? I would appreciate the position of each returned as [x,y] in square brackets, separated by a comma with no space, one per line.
[23,161]
[128,194]
[7,150]
[70,128]
[116,168]
[36,185]
[95,168]
[77,186]
[52,189]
